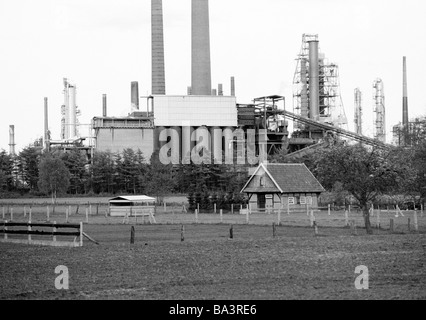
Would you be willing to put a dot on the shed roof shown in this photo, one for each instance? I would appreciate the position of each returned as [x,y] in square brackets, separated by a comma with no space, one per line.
[288,178]
[141,198]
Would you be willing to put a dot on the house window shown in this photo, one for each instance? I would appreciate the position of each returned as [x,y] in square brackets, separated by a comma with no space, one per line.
[262,181]
[309,200]
[291,200]
[302,200]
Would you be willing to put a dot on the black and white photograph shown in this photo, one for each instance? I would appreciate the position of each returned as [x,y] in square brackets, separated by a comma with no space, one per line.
[216,158]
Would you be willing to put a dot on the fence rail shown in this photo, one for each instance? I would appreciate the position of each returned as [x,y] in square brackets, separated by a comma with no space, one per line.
[54,233]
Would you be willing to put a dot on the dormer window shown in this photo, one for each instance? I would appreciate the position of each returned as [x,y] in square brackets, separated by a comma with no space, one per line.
[262,181]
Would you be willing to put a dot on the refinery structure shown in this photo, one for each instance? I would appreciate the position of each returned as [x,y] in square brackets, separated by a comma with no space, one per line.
[208,117]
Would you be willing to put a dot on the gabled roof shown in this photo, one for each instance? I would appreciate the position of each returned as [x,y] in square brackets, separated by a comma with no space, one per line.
[141,198]
[288,178]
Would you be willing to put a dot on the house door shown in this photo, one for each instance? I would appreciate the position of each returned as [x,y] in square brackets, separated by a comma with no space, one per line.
[261,201]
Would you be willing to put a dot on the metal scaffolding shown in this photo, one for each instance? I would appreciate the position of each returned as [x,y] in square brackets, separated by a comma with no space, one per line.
[331,109]
[358,111]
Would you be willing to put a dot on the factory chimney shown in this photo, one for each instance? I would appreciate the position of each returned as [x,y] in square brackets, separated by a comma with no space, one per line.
[104,105]
[46,135]
[314,80]
[405,103]
[12,140]
[135,95]
[220,89]
[200,40]
[232,87]
[157,49]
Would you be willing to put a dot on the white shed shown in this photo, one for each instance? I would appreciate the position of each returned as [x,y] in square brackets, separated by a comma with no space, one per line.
[131,206]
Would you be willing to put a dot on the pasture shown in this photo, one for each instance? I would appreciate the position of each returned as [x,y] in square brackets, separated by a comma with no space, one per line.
[257,264]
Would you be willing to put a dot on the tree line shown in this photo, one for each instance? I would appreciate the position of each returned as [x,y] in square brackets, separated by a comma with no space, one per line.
[35,172]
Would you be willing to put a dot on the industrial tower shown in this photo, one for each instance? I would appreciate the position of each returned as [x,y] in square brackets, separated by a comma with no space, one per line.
[358,111]
[200,42]
[69,111]
[157,48]
[379,110]
[316,86]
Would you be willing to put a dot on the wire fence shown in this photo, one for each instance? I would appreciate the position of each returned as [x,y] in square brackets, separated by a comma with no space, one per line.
[98,213]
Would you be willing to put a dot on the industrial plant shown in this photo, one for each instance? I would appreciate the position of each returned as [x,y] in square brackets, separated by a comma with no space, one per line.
[209,117]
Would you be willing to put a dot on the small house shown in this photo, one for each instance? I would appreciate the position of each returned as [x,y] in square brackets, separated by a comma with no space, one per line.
[130,205]
[282,185]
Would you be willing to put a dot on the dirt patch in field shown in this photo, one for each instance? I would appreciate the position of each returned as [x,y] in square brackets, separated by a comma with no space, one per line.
[208,265]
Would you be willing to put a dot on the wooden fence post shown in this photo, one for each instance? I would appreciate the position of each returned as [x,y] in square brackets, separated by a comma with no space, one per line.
[214,208]
[315,227]
[196,215]
[346,218]
[182,233]
[165,206]
[378,220]
[391,226]
[81,234]
[87,215]
[29,214]
[416,226]
[232,208]
[231,232]
[48,214]
[132,235]
[11,214]
[29,229]
[329,209]
[66,215]
[90,209]
[5,228]
[311,218]
[221,215]
[421,207]
[198,207]
[54,230]
[25,211]
[288,208]
[279,216]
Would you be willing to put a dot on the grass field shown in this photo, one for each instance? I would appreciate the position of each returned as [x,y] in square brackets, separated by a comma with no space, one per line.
[295,264]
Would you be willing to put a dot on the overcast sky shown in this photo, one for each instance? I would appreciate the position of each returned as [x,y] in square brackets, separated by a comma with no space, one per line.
[102,46]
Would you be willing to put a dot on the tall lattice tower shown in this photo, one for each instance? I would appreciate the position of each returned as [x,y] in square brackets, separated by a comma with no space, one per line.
[358,111]
[379,110]
[330,108]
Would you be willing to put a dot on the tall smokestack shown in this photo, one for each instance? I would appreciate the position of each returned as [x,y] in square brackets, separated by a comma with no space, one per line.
[104,105]
[313,80]
[46,125]
[232,87]
[135,95]
[12,140]
[201,68]
[405,102]
[220,89]
[157,39]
